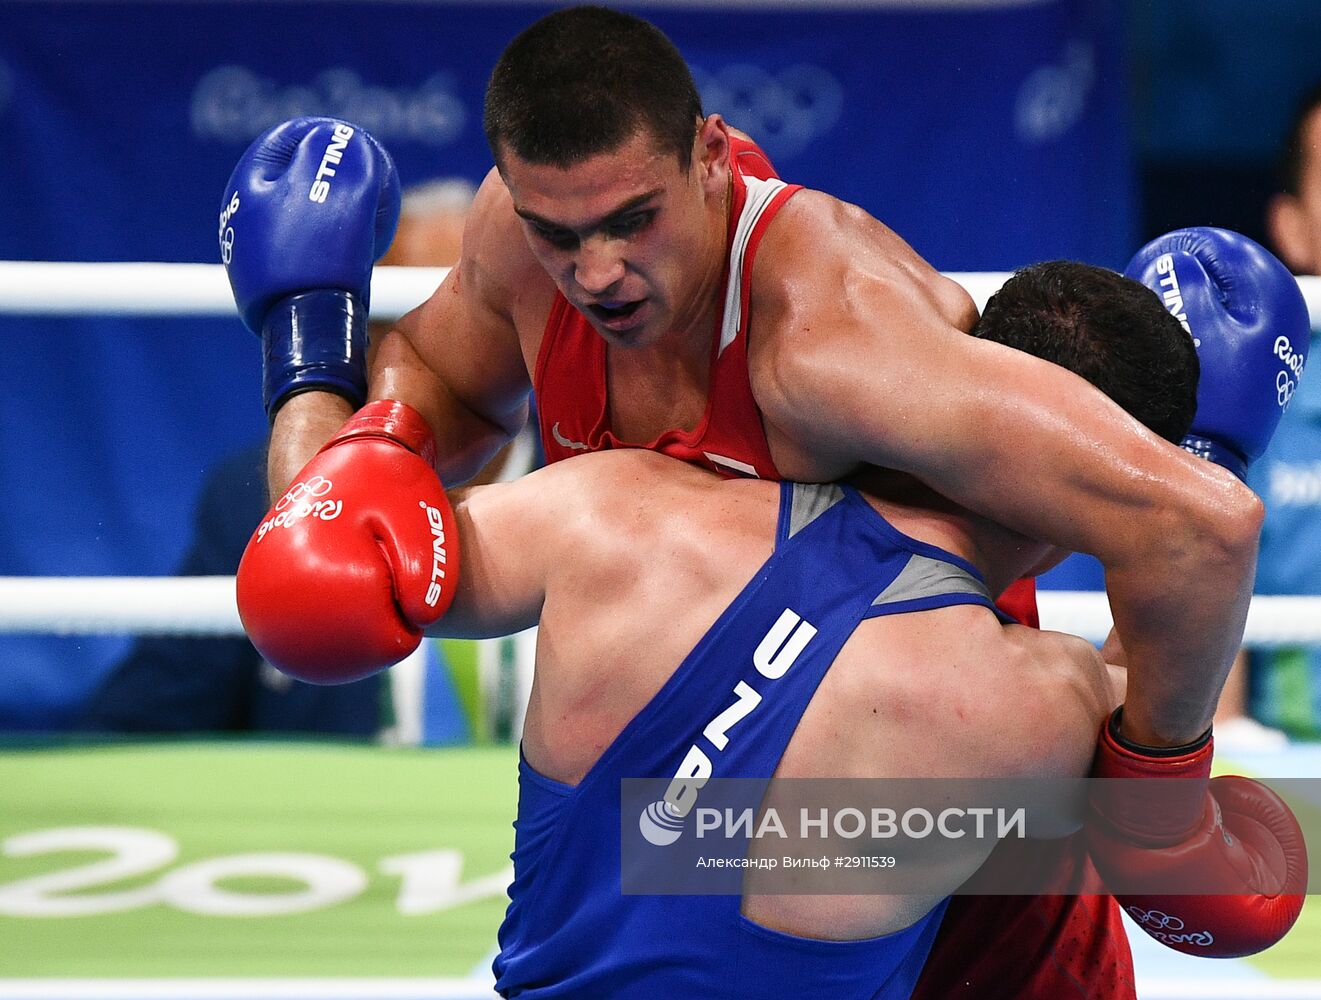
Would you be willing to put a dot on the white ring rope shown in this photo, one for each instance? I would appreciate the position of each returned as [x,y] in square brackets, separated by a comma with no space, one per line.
[42,288]
[206,605]
[104,605]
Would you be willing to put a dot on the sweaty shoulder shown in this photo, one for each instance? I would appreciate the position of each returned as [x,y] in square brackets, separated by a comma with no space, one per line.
[819,246]
[634,522]
[840,307]
[632,493]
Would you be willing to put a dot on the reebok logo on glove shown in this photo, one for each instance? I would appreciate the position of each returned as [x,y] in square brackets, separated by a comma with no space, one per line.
[339,141]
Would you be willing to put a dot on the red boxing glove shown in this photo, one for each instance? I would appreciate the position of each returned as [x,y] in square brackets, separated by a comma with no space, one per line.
[357,558]
[1219,866]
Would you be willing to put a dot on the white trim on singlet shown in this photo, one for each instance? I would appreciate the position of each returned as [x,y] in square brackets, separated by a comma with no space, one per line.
[733,464]
[760,194]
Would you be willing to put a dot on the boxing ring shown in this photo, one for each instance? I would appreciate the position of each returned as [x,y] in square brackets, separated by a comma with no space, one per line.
[205,606]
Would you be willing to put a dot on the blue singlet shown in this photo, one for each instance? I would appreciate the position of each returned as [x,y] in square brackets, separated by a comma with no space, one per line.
[570,932]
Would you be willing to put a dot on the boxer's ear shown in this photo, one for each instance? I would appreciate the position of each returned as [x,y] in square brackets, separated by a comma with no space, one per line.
[711,154]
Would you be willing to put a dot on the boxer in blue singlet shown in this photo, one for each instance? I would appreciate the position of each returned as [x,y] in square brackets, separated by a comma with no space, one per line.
[837,563]
[691,625]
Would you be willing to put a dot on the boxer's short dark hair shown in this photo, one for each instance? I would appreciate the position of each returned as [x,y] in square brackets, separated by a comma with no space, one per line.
[583,81]
[1113,331]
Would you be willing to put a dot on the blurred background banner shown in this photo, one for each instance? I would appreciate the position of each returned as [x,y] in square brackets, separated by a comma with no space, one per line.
[989,135]
[947,122]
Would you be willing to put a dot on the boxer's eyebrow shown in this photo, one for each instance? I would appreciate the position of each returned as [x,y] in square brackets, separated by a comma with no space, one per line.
[630,205]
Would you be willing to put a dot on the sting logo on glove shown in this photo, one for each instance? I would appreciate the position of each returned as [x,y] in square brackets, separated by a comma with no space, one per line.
[339,141]
[1169,290]
[436,522]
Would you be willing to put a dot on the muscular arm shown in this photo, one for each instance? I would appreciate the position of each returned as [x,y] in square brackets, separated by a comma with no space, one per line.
[456,359]
[1014,438]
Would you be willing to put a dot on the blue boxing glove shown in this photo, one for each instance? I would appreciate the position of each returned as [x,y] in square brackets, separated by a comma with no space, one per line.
[311,205]
[1251,327]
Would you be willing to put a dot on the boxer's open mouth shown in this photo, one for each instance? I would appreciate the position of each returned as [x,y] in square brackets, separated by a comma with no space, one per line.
[613,311]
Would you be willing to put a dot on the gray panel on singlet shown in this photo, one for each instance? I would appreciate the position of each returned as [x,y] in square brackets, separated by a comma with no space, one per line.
[810,501]
[923,576]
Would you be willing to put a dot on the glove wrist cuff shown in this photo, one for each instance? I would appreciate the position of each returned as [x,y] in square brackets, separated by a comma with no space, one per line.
[1169,756]
[389,418]
[314,340]
[1140,809]
[1214,451]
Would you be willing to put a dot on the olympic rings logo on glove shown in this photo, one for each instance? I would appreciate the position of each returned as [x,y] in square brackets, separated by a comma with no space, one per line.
[1156,919]
[303,500]
[227,231]
[1284,388]
[1166,928]
[315,488]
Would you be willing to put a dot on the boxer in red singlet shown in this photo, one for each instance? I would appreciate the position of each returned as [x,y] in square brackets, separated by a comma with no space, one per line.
[603,263]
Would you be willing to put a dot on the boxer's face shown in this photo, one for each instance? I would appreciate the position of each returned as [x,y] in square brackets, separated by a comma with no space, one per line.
[632,240]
